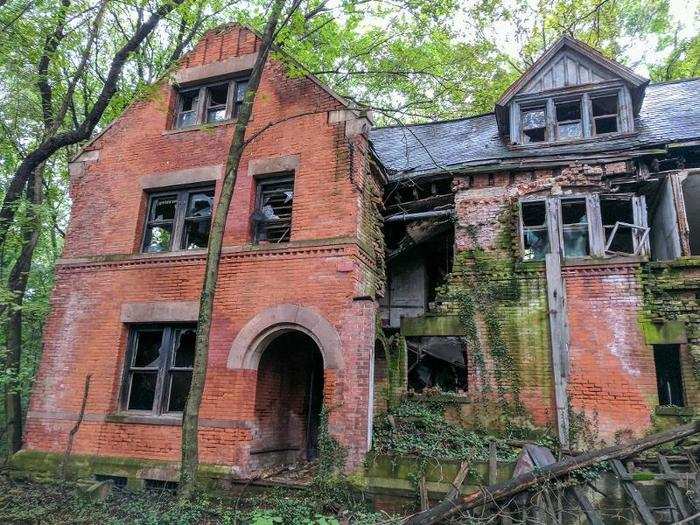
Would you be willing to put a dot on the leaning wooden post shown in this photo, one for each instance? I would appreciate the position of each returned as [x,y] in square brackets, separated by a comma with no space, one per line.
[190,417]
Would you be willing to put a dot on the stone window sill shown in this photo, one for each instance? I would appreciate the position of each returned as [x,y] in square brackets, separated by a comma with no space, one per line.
[674,411]
[144,419]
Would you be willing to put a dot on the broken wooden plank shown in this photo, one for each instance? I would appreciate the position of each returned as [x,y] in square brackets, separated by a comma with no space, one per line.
[675,495]
[453,493]
[633,493]
[525,481]
[423,490]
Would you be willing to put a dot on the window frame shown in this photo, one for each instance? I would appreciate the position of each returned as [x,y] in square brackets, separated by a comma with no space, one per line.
[550,100]
[260,182]
[179,220]
[203,98]
[163,371]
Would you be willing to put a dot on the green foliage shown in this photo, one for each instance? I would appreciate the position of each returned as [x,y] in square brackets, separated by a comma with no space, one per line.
[420,429]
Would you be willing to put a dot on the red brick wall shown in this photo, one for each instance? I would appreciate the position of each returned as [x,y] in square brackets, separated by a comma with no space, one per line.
[85,335]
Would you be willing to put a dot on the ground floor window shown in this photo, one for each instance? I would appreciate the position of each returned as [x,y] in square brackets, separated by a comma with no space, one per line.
[159,368]
[668,375]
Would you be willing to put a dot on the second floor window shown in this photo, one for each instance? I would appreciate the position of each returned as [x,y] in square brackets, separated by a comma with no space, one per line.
[272,220]
[178,220]
[159,368]
[210,103]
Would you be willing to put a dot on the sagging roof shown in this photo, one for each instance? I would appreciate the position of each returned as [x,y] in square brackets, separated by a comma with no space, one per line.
[670,113]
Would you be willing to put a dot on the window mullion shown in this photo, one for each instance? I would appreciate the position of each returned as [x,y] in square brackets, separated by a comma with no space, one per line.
[595,225]
[550,119]
[201,106]
[556,239]
[179,221]
[162,372]
[586,116]
[230,96]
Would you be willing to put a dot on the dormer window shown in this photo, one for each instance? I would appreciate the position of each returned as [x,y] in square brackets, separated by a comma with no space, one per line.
[605,114]
[569,119]
[534,124]
[210,103]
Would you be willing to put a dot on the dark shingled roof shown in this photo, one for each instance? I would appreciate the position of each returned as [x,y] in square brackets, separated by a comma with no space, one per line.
[670,113]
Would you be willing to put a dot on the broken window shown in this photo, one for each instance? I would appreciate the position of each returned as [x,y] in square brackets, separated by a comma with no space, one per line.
[534,125]
[437,362]
[220,102]
[178,220]
[272,219]
[574,227]
[691,196]
[668,375]
[535,234]
[216,102]
[569,119]
[160,365]
[605,110]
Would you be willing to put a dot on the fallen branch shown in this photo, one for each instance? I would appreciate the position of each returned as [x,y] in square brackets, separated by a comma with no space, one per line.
[510,488]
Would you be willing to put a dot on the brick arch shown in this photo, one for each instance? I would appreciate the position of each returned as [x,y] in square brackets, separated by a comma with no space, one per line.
[257,333]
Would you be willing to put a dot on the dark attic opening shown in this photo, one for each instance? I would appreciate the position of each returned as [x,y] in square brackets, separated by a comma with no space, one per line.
[419,234]
[288,399]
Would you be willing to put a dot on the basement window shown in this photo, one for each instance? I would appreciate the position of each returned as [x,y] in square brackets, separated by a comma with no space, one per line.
[159,372]
[178,220]
[210,103]
[272,220]
[535,234]
[668,375]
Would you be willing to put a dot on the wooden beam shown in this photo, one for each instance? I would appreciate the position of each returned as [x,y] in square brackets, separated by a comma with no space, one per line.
[633,492]
[526,481]
[675,496]
[559,335]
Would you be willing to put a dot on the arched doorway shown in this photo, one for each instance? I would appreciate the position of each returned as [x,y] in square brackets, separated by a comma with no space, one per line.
[288,398]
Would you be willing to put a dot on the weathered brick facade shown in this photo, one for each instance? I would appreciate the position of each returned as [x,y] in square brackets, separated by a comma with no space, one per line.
[327,269]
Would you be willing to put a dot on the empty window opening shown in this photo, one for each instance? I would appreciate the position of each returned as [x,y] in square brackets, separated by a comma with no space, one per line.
[437,362]
[159,372]
[534,125]
[605,110]
[178,220]
[569,119]
[574,220]
[288,399]
[160,485]
[272,220]
[118,481]
[614,210]
[668,375]
[535,235]
[691,198]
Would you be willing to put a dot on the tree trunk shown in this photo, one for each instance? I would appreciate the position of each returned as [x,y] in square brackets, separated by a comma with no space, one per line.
[508,489]
[17,285]
[190,418]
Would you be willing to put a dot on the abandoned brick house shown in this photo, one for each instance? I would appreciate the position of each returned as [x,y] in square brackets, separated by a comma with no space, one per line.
[579,192]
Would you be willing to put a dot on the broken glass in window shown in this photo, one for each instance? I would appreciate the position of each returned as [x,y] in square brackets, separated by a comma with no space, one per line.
[216,102]
[273,217]
[187,114]
[437,362]
[179,389]
[569,119]
[148,343]
[184,348]
[241,87]
[535,232]
[534,125]
[198,220]
[159,228]
[575,228]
